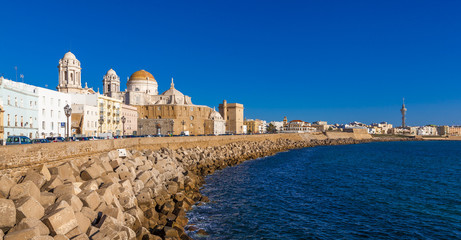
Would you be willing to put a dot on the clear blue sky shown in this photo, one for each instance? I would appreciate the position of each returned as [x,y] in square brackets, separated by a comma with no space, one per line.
[337,61]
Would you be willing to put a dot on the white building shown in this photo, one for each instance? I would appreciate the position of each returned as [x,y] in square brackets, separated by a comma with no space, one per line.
[20,102]
[52,120]
[218,122]
[427,131]
[278,125]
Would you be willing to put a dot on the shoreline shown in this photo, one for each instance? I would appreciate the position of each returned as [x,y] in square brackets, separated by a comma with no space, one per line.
[141,195]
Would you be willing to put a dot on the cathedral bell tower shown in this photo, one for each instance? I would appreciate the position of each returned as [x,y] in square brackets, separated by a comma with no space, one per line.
[111,83]
[69,74]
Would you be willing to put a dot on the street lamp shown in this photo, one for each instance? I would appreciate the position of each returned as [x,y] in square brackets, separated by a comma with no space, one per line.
[68,112]
[158,129]
[123,124]
[101,121]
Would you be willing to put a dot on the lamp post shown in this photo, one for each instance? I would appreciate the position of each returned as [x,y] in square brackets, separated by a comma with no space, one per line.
[158,129]
[123,124]
[68,112]
[101,121]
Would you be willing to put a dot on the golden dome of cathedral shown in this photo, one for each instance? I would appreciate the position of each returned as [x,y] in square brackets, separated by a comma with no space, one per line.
[142,75]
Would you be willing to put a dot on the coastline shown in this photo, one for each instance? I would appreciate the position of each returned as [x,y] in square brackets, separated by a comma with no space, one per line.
[143,195]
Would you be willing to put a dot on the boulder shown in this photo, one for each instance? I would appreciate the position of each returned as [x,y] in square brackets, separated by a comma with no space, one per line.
[92,172]
[73,201]
[60,237]
[25,189]
[8,213]
[28,207]
[35,177]
[5,185]
[61,221]
[47,199]
[90,199]
[52,183]
[25,234]
[42,238]
[31,223]
[83,222]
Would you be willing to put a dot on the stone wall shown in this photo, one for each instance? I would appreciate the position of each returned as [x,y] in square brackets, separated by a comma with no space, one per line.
[28,155]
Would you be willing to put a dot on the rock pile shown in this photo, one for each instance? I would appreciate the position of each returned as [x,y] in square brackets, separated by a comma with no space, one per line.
[121,195]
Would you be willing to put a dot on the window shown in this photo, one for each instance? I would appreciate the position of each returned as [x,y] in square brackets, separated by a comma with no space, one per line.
[22,121]
[43,125]
[9,100]
[59,102]
[30,104]
[22,103]
[59,114]
[30,122]
[15,101]
[43,112]
[52,126]
[15,120]
[8,120]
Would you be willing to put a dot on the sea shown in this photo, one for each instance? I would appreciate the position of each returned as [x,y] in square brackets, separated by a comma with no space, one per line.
[379,190]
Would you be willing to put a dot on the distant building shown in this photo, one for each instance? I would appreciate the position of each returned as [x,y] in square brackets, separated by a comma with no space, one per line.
[454,130]
[85,120]
[52,120]
[20,108]
[427,131]
[443,130]
[403,110]
[254,125]
[381,128]
[278,125]
[298,126]
[233,114]
[321,126]
[131,119]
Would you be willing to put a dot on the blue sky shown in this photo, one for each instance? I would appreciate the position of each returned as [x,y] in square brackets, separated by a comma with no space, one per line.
[337,61]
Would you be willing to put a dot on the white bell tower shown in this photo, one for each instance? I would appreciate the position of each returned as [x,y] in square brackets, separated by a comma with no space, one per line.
[69,74]
[111,83]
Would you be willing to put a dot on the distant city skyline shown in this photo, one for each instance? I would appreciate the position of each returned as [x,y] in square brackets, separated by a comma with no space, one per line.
[332,61]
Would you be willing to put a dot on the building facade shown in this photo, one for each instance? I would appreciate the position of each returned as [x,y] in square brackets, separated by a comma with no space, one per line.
[254,125]
[20,102]
[454,130]
[84,120]
[52,120]
[109,111]
[130,113]
[298,126]
[233,114]
[1,122]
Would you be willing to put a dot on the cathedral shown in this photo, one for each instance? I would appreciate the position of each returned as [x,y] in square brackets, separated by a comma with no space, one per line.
[171,112]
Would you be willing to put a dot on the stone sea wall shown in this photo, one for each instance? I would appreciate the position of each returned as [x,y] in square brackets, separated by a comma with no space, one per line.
[141,194]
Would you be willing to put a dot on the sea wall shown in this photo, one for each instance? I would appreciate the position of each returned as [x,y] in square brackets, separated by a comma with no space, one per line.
[21,156]
[142,194]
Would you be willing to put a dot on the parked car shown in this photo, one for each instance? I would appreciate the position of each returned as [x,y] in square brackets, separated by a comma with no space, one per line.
[42,140]
[55,139]
[16,140]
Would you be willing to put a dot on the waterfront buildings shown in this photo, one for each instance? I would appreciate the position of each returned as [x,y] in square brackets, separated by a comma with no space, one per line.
[427,130]
[20,102]
[254,125]
[130,114]
[321,126]
[233,114]
[52,120]
[454,130]
[278,125]
[298,126]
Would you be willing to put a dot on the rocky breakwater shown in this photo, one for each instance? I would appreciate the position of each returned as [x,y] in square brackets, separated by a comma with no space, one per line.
[121,194]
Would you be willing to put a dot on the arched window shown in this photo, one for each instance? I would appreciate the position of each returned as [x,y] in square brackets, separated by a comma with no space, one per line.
[108,88]
[72,78]
[65,75]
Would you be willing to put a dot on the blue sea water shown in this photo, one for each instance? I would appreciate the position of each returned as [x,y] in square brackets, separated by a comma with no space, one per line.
[390,190]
